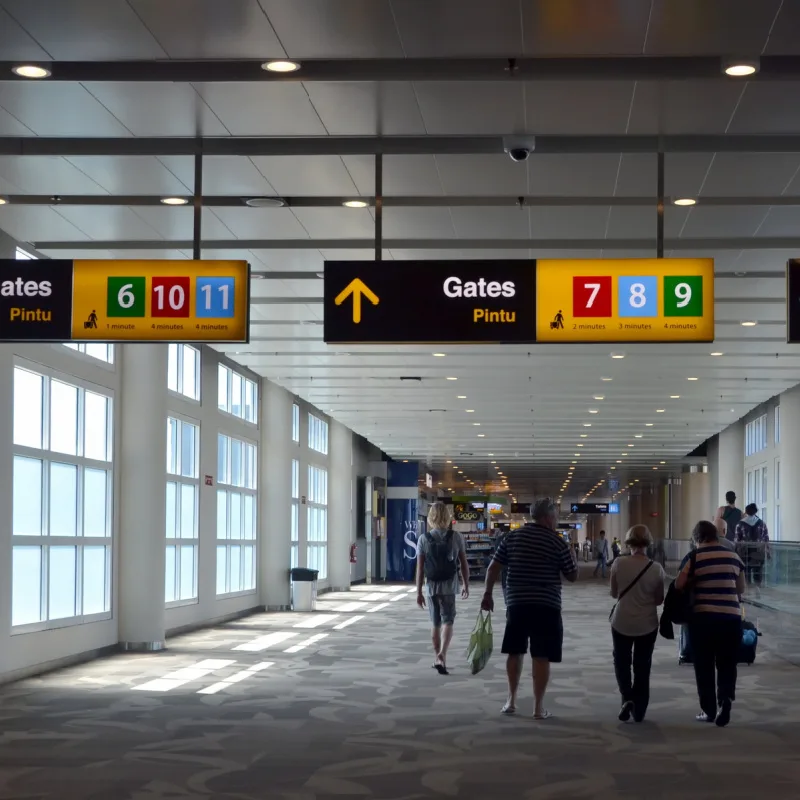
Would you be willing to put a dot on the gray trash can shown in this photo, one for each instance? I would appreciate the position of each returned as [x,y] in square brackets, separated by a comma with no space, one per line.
[304,589]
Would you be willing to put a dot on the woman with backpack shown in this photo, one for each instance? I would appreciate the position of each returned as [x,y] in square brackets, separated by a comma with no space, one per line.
[440,553]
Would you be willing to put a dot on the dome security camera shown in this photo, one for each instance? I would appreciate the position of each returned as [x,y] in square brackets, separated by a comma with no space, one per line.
[519,147]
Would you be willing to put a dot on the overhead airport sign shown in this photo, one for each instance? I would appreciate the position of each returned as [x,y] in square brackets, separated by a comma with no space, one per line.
[793,301]
[429,301]
[594,508]
[124,301]
[625,300]
[569,301]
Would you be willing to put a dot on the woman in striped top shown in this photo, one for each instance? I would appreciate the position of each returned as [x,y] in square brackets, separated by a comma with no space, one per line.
[716,576]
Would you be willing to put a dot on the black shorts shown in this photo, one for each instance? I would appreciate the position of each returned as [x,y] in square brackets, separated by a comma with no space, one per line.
[541,625]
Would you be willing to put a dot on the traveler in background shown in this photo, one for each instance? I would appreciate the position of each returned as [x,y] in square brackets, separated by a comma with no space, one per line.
[440,553]
[638,583]
[722,529]
[601,554]
[715,627]
[731,515]
[587,548]
[752,544]
[616,550]
[534,557]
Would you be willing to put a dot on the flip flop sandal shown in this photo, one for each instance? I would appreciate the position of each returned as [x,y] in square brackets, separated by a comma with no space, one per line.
[441,669]
[544,715]
[508,709]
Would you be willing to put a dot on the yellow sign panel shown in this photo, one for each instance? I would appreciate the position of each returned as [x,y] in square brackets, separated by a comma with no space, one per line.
[625,300]
[173,301]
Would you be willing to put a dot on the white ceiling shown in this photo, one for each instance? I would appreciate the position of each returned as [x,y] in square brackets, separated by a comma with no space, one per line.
[531,402]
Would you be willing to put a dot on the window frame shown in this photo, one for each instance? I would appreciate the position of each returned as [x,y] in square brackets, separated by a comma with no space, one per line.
[179,348]
[317,510]
[294,520]
[229,372]
[44,541]
[78,349]
[296,423]
[318,429]
[179,541]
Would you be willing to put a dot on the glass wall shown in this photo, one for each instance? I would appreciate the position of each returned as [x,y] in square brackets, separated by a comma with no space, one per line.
[237,395]
[183,370]
[317,434]
[317,546]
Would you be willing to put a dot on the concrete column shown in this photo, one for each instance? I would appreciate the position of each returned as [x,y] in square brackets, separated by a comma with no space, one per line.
[341,531]
[275,496]
[790,465]
[712,455]
[694,503]
[730,469]
[143,473]
[624,516]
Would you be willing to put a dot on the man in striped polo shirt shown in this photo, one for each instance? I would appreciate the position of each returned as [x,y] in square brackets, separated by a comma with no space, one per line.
[716,576]
[534,557]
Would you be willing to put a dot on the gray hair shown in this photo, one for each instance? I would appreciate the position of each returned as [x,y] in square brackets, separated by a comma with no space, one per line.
[544,508]
[439,516]
[639,536]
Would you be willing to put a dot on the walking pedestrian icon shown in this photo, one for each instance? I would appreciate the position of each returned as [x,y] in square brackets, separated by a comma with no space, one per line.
[558,321]
[91,321]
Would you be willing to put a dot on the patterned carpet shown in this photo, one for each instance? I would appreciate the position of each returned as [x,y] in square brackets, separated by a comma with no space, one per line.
[344,704]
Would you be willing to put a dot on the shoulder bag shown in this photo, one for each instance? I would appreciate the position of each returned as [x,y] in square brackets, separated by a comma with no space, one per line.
[629,587]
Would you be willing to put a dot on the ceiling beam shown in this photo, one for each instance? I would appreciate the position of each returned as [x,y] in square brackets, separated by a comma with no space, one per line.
[690,244]
[571,68]
[389,145]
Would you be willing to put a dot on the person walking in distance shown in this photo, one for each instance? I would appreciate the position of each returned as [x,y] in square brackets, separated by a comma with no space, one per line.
[716,576]
[752,544]
[637,583]
[601,554]
[731,515]
[440,554]
[535,557]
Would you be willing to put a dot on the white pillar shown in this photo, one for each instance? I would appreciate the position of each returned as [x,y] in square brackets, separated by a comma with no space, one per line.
[694,504]
[790,465]
[143,474]
[712,456]
[340,512]
[730,466]
[275,517]
[624,516]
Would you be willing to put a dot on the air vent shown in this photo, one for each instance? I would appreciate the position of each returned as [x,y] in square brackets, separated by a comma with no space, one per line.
[466,454]
[443,410]
[410,378]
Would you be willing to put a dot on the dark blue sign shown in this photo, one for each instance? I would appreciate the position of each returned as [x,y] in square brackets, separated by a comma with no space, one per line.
[401,539]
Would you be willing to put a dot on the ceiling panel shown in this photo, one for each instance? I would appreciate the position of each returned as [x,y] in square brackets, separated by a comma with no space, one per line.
[210,29]
[781,221]
[418,223]
[306,175]
[482,175]
[108,222]
[261,223]
[763,260]
[563,107]
[707,221]
[336,223]
[579,174]
[458,255]
[29,223]
[783,38]
[59,109]
[76,253]
[224,175]
[402,175]
[366,108]
[575,222]
[496,223]
[763,108]
[291,260]
[683,174]
[452,28]
[683,107]
[129,174]
[686,27]
[261,109]
[178,223]
[47,175]
[158,109]
[16,43]
[81,30]
[11,126]
[229,254]
[478,107]
[751,173]
[364,254]
[335,28]
[626,222]
[583,27]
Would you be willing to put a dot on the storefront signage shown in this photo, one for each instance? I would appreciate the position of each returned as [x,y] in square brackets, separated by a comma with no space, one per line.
[521,301]
[124,301]
[468,516]
[594,508]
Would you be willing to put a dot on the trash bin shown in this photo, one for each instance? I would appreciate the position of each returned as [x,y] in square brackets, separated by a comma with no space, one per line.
[304,589]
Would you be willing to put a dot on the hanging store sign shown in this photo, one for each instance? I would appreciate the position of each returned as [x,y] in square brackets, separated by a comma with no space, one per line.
[546,300]
[793,301]
[468,516]
[124,301]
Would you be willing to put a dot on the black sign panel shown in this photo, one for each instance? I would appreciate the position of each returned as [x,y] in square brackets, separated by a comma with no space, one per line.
[35,301]
[594,508]
[520,508]
[447,302]
[793,301]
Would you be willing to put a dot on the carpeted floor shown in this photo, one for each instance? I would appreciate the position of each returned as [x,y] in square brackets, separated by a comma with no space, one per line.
[262,708]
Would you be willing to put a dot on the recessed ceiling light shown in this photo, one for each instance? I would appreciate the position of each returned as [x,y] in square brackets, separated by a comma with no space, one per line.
[662,462]
[692,379]
[618,355]
[31,71]
[749,323]
[599,397]
[448,462]
[637,435]
[450,378]
[740,69]
[493,462]
[587,424]
[630,445]
[684,201]
[438,355]
[648,424]
[584,436]
[659,411]
[579,444]
[174,201]
[716,353]
[461,397]
[592,410]
[405,461]
[470,410]
[3,201]
[614,467]
[477,424]
[675,396]
[266,202]
[280,66]
[618,462]
[606,379]
[574,462]
[354,204]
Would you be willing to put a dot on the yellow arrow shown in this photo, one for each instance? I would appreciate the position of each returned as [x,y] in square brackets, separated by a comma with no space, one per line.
[357,288]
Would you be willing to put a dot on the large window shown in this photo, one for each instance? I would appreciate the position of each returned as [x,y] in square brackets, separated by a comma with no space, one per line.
[183,498]
[776,525]
[183,370]
[102,352]
[24,255]
[61,502]
[295,422]
[236,515]
[756,490]
[317,434]
[777,424]
[318,521]
[755,436]
[295,513]
[237,395]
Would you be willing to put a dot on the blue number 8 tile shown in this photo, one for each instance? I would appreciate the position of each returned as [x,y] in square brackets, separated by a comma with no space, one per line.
[638,296]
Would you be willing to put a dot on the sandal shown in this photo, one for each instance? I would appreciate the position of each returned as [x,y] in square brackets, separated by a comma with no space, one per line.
[508,708]
[544,715]
[441,669]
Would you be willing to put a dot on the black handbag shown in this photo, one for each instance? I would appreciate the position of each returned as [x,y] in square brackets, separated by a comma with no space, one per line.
[678,605]
[629,587]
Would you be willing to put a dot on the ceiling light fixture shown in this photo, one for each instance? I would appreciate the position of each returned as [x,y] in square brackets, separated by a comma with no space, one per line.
[659,411]
[469,410]
[481,435]
[692,379]
[716,353]
[618,355]
[174,201]
[637,435]
[648,424]
[281,65]
[31,71]
[684,201]
[266,202]
[476,424]
[674,397]
[3,201]
[450,378]
[606,379]
[587,424]
[461,397]
[355,204]
[749,323]
[438,355]
[740,68]
[584,436]
[592,410]
[599,397]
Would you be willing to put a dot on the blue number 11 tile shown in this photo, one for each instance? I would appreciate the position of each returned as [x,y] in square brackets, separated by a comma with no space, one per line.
[638,296]
[215,297]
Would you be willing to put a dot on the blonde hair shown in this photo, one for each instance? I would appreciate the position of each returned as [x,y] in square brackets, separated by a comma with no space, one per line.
[439,516]
[639,536]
